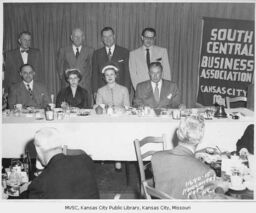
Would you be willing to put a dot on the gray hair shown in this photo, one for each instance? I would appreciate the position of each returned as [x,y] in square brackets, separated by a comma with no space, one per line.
[191,130]
[47,139]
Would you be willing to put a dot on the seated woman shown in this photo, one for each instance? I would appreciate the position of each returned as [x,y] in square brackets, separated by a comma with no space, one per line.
[112,94]
[73,95]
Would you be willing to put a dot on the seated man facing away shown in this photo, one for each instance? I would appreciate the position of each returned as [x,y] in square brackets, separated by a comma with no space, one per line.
[157,92]
[64,177]
[28,92]
[177,172]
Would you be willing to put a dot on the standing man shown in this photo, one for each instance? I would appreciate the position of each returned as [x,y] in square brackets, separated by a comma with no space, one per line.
[113,54]
[28,92]
[143,56]
[76,56]
[14,59]
[157,92]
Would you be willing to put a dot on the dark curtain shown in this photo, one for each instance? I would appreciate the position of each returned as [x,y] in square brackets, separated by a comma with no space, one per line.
[178,27]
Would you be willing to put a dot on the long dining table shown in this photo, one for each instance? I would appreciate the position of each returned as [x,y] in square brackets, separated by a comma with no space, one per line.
[106,137]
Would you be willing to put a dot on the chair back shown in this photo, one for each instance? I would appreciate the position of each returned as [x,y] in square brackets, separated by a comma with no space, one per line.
[151,192]
[144,159]
[233,100]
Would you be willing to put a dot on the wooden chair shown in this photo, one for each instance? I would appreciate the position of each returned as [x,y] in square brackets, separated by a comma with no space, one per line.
[233,100]
[144,163]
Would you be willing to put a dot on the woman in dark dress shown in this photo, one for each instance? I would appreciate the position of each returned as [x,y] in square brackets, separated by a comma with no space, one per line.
[73,95]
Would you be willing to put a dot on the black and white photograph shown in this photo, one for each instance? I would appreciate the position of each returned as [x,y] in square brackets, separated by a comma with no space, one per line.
[134,106]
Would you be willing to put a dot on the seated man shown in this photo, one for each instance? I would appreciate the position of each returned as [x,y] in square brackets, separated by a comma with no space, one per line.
[64,177]
[177,172]
[157,92]
[29,93]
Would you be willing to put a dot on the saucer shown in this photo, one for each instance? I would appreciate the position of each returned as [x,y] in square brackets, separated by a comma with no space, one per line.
[238,188]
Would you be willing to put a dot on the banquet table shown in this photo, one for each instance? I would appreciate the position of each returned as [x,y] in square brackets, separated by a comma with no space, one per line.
[106,137]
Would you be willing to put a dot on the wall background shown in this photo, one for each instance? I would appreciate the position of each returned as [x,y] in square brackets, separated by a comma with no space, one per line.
[178,27]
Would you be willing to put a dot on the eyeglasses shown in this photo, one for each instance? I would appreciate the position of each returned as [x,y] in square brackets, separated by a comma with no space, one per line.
[149,38]
[75,78]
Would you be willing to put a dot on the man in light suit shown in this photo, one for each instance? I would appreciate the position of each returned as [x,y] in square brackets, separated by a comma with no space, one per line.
[28,92]
[157,92]
[143,56]
[77,56]
[64,176]
[14,59]
[179,174]
[110,53]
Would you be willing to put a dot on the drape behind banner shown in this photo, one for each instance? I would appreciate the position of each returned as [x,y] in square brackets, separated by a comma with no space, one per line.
[226,64]
[178,27]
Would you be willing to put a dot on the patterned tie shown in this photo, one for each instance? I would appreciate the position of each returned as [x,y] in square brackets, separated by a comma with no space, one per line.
[77,52]
[29,90]
[148,57]
[156,93]
[109,54]
[24,51]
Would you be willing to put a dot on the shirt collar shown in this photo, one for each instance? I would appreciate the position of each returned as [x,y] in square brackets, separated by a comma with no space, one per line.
[30,84]
[159,84]
[112,48]
[145,48]
[74,48]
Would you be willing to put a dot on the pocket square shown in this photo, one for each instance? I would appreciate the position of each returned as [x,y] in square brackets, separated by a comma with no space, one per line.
[169,96]
[121,60]
[159,59]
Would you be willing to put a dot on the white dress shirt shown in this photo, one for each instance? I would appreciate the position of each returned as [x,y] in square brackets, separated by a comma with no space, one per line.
[30,84]
[74,48]
[112,49]
[159,84]
[24,56]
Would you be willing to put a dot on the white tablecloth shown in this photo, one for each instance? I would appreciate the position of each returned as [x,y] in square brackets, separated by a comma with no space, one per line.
[111,138]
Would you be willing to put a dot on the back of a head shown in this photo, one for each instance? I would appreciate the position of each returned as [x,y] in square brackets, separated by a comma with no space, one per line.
[191,130]
[47,139]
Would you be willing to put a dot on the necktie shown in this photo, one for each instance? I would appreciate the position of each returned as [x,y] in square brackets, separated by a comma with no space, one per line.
[148,57]
[156,93]
[109,54]
[77,52]
[29,90]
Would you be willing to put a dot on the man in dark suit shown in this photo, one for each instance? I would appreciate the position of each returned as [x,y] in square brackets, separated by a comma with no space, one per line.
[178,173]
[14,59]
[157,92]
[64,177]
[110,53]
[77,56]
[28,92]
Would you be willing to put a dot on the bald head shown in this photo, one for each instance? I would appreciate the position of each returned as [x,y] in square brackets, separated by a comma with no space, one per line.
[77,37]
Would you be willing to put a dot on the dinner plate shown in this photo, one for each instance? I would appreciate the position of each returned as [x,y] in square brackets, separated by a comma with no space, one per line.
[238,188]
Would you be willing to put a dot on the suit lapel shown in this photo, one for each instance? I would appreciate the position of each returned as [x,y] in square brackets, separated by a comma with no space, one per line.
[115,54]
[30,56]
[18,56]
[71,55]
[83,53]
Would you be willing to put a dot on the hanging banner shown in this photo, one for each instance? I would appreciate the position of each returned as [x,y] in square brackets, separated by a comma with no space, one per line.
[226,63]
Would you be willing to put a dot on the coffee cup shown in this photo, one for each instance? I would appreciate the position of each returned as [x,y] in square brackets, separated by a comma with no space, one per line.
[18,107]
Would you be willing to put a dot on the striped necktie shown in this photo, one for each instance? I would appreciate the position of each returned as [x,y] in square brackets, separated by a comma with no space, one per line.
[109,54]
[29,90]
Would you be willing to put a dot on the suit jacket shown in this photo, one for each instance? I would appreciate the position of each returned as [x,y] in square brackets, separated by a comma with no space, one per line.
[80,100]
[67,59]
[13,62]
[247,140]
[20,95]
[178,173]
[66,177]
[169,95]
[120,58]
[138,65]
